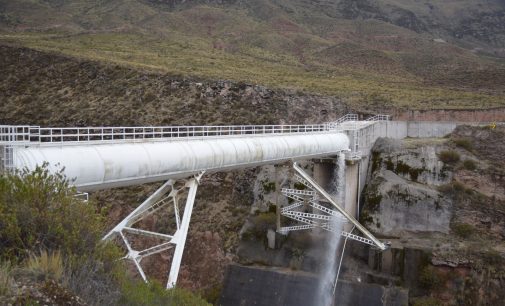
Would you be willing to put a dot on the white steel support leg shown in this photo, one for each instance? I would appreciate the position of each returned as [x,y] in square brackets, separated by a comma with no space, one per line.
[157,195]
[155,202]
[180,236]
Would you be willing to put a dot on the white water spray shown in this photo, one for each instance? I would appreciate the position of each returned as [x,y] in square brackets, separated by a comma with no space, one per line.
[332,255]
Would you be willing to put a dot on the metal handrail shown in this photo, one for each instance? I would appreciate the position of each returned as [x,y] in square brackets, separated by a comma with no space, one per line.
[347,117]
[26,133]
[85,134]
[12,133]
[379,118]
[343,119]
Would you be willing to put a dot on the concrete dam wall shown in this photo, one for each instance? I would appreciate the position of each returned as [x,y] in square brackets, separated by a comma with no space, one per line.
[247,286]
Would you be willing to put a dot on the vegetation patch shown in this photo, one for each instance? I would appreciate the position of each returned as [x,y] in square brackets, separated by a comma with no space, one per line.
[426,301]
[48,265]
[372,196]
[390,165]
[376,161]
[268,187]
[261,223]
[139,294]
[39,212]
[213,294]
[6,279]
[365,217]
[463,230]
[429,278]
[493,258]
[469,164]
[464,143]
[449,156]
[55,237]
[300,186]
[404,169]
[373,201]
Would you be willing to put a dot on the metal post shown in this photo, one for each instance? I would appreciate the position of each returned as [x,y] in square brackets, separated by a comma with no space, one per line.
[180,236]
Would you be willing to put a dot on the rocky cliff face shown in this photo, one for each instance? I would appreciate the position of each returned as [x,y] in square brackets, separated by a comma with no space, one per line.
[401,193]
[440,202]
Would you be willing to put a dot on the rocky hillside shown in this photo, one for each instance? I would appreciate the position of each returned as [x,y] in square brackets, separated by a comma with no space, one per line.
[441,203]
[387,53]
[51,90]
[478,22]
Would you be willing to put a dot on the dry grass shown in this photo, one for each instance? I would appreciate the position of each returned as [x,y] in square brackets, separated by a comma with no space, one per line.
[5,278]
[48,265]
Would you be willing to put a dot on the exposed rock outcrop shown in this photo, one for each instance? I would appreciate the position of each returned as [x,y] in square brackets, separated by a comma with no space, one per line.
[440,203]
[401,194]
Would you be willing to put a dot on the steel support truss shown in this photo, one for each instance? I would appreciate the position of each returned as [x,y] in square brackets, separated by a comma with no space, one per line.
[324,216]
[167,196]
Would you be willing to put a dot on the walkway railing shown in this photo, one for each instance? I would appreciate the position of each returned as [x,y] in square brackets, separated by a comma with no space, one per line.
[85,134]
[25,133]
[379,118]
[13,133]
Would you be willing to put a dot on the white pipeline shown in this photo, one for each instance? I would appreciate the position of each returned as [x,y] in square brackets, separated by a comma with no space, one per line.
[104,165]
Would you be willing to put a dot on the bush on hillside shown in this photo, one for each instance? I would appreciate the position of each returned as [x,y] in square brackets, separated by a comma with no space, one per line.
[57,238]
[39,212]
[262,223]
[463,230]
[469,165]
[142,294]
[5,278]
[426,301]
[429,278]
[449,157]
[464,143]
[49,265]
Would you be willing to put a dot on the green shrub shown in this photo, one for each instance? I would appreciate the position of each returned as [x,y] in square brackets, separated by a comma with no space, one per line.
[139,293]
[262,223]
[96,279]
[463,230]
[268,187]
[426,301]
[212,294]
[493,257]
[38,211]
[272,208]
[299,186]
[464,143]
[469,164]
[449,157]
[458,187]
[428,278]
[373,201]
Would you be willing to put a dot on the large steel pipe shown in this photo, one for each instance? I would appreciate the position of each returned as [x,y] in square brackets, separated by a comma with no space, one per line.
[103,165]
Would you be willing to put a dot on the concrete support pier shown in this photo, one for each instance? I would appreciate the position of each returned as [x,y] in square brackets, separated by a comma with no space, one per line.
[325,169]
[352,175]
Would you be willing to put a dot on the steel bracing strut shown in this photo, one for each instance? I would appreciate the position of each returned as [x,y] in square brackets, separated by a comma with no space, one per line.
[158,200]
[323,219]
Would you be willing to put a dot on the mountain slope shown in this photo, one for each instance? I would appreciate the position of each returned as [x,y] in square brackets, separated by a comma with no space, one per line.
[395,53]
